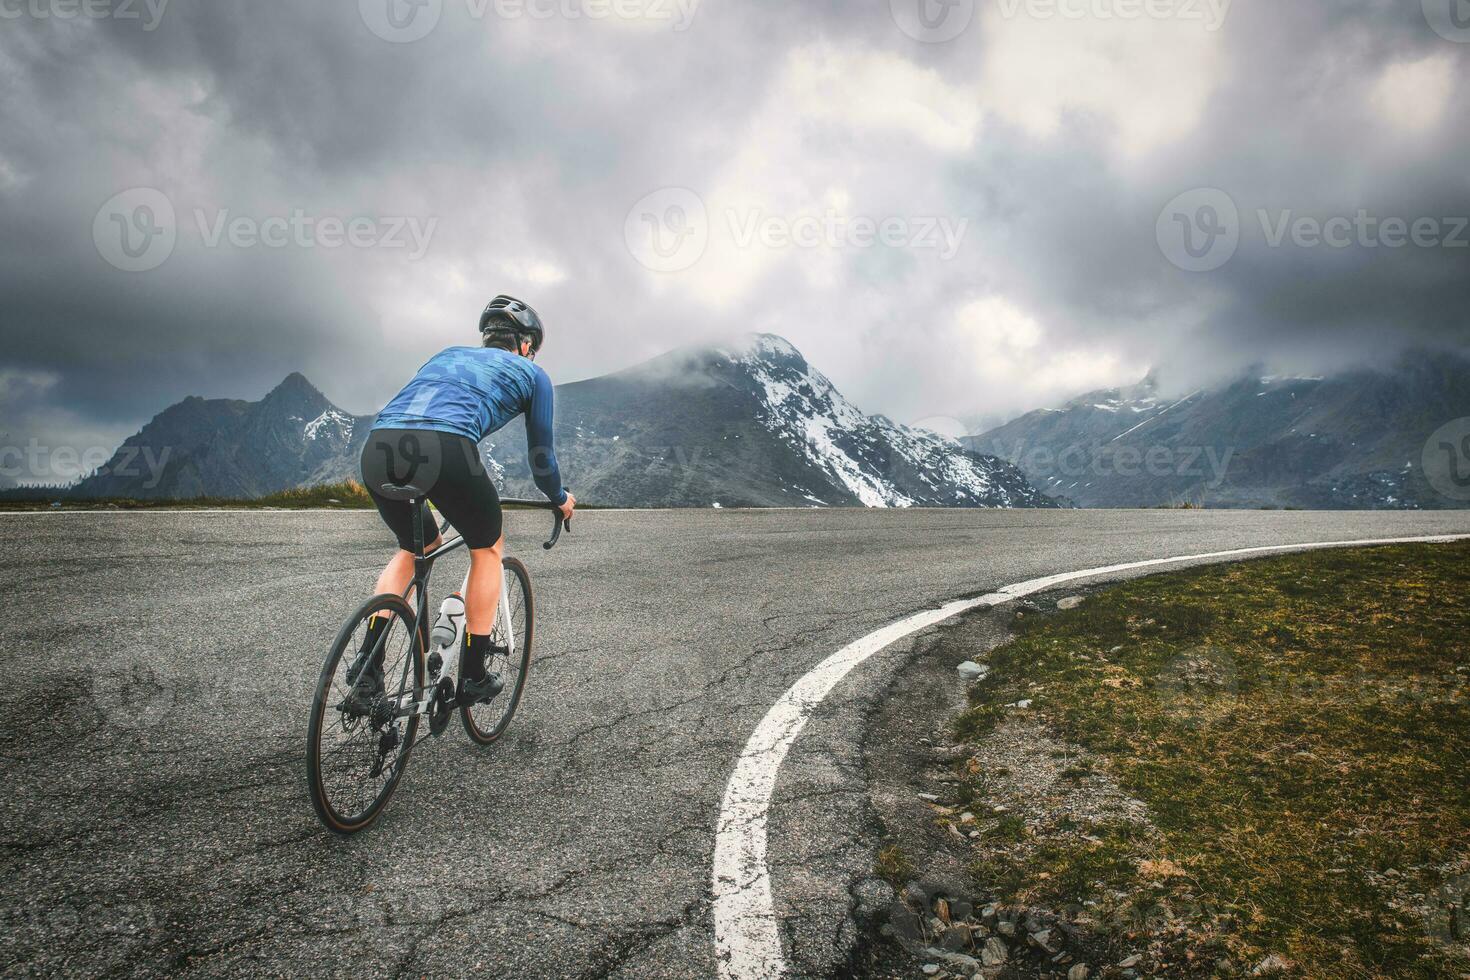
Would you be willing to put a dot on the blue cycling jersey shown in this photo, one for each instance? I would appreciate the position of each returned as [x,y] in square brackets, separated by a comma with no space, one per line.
[474,391]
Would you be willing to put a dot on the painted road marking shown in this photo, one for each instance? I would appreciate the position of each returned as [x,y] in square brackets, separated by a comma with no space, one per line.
[747,938]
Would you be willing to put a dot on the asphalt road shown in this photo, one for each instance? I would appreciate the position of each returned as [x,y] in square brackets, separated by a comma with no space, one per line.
[159,668]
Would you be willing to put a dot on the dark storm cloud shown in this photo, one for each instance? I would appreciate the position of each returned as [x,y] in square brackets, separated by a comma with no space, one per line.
[523,142]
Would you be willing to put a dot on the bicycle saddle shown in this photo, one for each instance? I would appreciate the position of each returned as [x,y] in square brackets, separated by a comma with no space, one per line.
[402,491]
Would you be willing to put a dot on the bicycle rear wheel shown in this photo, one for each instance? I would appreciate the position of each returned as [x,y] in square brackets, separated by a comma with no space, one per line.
[487,722]
[356,756]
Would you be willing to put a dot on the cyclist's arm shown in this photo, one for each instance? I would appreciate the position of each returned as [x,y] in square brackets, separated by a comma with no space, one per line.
[540,445]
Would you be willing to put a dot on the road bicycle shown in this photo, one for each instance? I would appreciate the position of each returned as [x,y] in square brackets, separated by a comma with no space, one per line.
[356,754]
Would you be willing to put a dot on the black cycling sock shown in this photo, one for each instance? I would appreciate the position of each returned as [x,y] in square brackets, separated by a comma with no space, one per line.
[475,648]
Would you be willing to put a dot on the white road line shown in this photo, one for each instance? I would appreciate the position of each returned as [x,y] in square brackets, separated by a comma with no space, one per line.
[747,938]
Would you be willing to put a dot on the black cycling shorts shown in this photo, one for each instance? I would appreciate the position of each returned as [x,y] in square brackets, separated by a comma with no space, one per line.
[448,467]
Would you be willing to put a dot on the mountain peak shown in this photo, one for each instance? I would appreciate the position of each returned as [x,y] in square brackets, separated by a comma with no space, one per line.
[766,346]
[295,384]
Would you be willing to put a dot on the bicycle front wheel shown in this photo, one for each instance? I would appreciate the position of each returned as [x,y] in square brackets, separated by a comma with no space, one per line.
[358,747]
[512,639]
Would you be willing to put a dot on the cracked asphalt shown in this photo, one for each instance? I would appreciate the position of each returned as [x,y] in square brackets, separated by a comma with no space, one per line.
[159,668]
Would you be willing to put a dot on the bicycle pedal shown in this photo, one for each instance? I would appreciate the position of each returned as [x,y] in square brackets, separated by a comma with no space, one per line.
[443,707]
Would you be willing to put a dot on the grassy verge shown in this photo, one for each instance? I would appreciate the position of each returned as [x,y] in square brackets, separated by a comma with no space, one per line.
[1299,732]
[347,495]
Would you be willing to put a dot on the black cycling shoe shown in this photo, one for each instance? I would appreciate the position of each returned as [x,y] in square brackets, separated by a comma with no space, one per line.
[367,688]
[479,692]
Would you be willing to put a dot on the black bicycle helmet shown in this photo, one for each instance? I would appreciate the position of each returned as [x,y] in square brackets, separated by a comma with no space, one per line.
[508,315]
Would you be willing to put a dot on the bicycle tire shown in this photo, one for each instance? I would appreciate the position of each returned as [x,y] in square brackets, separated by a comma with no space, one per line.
[485,723]
[325,712]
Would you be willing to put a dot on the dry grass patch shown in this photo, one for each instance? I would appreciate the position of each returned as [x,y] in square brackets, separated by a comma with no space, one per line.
[1298,730]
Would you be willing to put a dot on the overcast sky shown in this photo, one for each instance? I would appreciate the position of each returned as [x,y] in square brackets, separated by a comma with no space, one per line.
[960,209]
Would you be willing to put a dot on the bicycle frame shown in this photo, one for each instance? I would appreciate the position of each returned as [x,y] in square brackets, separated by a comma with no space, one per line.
[423,566]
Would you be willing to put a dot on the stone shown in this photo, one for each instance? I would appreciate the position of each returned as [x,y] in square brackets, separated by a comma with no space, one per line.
[994,952]
[943,886]
[957,962]
[915,895]
[930,969]
[1069,603]
[1271,966]
[872,896]
[955,939]
[1078,972]
[941,910]
[972,671]
[1005,928]
[904,922]
[1130,962]
[928,797]
[1043,939]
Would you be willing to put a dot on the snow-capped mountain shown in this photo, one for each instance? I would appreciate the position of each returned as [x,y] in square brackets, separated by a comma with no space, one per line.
[752,424]
[228,448]
[1350,441]
[748,424]
[880,463]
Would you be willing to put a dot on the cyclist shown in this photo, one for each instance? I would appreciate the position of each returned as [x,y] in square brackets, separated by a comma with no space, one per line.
[434,425]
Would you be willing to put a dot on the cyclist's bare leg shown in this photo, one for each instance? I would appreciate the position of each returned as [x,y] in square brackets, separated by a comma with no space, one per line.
[482,596]
[399,573]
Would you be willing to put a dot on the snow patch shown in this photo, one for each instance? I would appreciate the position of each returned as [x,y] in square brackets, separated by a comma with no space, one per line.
[805,410]
[330,423]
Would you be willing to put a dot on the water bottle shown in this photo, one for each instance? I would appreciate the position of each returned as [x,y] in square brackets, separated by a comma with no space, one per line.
[447,627]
